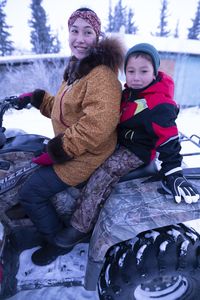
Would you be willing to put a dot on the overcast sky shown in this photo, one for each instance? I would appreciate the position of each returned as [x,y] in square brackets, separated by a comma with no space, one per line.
[146,15]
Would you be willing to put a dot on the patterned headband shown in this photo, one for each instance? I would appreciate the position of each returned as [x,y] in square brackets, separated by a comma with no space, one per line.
[90,17]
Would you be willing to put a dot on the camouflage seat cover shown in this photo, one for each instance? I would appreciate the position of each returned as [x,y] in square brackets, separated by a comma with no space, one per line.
[133,207]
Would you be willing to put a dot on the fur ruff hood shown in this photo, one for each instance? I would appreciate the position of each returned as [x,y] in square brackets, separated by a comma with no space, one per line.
[109,52]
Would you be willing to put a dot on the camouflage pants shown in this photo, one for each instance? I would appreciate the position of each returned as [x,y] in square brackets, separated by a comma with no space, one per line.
[99,187]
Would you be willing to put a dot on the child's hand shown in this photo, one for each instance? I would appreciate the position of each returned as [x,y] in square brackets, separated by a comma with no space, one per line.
[177,185]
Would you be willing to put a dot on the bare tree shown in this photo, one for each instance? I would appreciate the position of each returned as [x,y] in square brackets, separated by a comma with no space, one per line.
[162,27]
[120,18]
[6,45]
[176,33]
[130,25]
[41,38]
[194,30]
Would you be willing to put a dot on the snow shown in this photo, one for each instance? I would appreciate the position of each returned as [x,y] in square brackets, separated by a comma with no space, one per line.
[70,265]
[66,265]
[32,122]
[29,120]
[56,293]
[31,57]
[163,44]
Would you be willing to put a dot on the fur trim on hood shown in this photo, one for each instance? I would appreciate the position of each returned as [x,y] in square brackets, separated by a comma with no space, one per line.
[109,52]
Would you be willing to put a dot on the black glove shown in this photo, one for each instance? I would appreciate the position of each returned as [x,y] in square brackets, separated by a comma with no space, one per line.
[35,98]
[177,185]
[56,151]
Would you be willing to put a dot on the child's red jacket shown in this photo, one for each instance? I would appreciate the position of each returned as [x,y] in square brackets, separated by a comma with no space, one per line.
[148,123]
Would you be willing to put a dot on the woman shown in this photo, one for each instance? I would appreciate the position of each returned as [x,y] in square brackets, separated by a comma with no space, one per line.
[84,113]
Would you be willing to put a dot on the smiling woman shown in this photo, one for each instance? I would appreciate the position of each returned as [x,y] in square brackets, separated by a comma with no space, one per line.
[84,115]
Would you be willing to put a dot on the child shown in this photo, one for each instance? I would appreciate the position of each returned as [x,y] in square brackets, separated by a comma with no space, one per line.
[147,126]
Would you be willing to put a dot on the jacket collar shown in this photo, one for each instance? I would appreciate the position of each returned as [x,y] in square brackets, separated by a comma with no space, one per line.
[108,52]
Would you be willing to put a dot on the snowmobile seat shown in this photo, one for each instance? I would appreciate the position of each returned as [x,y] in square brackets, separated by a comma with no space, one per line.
[143,171]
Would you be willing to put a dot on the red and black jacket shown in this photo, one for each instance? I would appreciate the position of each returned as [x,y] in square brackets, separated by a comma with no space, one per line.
[148,123]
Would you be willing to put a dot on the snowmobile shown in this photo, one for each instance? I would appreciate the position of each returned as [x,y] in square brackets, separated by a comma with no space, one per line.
[141,247]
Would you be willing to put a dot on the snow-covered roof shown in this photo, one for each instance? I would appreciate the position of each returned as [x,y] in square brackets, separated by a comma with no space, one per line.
[30,57]
[163,44]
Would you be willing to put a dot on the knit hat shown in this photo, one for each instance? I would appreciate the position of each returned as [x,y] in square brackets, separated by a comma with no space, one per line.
[89,16]
[148,49]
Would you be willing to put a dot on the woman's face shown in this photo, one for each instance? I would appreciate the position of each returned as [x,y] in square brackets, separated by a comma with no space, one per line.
[139,72]
[81,38]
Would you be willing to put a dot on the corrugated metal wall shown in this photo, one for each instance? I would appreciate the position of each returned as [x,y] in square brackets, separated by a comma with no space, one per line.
[185,70]
[187,80]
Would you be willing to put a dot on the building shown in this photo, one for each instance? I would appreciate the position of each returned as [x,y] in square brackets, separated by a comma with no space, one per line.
[179,57]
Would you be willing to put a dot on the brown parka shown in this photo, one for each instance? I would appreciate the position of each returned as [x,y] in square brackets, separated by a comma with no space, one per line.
[85,113]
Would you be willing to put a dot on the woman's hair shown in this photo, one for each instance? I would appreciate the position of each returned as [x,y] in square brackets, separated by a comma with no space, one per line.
[89,16]
[85,9]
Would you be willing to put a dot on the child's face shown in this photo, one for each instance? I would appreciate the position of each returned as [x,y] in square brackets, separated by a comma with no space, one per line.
[139,72]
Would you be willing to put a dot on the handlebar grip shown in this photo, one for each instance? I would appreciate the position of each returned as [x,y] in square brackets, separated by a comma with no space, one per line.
[12,100]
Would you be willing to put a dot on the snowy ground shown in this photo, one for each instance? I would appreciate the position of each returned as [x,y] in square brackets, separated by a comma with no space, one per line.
[56,293]
[31,121]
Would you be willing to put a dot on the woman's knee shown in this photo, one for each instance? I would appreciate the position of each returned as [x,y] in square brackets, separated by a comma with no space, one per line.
[29,189]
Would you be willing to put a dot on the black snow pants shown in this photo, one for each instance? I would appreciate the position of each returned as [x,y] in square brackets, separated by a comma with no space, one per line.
[35,196]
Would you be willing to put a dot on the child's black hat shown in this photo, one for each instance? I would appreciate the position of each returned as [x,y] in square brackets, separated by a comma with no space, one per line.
[148,49]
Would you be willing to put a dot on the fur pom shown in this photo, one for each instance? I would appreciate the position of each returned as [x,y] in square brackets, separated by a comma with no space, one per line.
[56,151]
[109,52]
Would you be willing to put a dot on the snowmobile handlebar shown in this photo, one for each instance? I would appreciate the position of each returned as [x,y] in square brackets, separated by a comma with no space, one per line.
[11,102]
[7,103]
